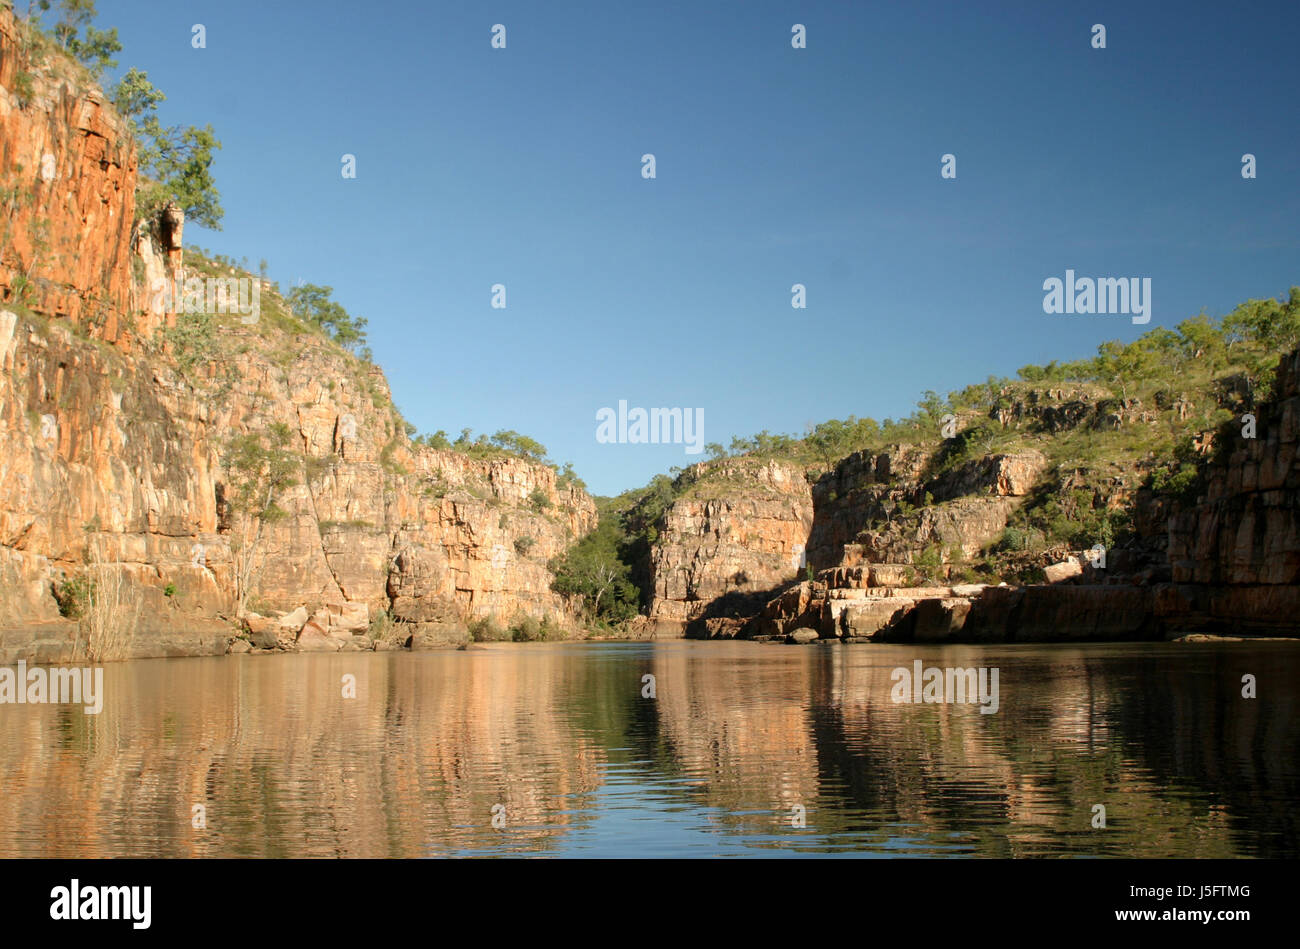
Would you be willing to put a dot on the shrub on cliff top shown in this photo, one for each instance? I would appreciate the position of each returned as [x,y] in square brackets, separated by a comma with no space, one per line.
[569,478]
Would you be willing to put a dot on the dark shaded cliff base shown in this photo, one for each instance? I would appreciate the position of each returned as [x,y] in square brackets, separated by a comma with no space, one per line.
[1032,614]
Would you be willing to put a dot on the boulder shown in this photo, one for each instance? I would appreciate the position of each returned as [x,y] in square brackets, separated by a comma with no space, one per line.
[890,574]
[264,638]
[873,619]
[295,619]
[348,617]
[1065,570]
[436,635]
[261,631]
[803,635]
[940,619]
[315,639]
[238,646]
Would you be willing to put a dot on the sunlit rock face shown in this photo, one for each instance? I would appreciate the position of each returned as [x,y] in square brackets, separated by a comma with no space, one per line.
[741,534]
[111,443]
[870,549]
[120,452]
[71,163]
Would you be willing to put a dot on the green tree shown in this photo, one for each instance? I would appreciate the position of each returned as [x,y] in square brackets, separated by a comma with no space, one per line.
[437,440]
[312,303]
[1201,338]
[73,15]
[176,162]
[517,444]
[567,476]
[592,569]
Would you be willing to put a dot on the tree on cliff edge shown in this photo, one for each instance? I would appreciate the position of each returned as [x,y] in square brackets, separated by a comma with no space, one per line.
[73,32]
[177,162]
[312,303]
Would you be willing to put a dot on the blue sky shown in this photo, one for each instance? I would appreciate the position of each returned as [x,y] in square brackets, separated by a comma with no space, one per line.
[775,166]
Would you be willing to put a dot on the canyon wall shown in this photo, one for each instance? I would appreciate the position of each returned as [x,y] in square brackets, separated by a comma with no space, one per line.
[892,534]
[737,533]
[744,529]
[118,456]
[69,176]
[1235,555]
[114,432]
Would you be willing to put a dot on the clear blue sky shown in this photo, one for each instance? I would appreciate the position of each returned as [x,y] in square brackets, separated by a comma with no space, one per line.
[775,166]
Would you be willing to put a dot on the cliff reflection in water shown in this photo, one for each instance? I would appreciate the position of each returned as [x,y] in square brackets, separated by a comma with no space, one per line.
[737,736]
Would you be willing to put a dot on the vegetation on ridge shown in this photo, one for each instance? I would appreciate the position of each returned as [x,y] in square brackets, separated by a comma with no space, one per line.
[175,162]
[1159,400]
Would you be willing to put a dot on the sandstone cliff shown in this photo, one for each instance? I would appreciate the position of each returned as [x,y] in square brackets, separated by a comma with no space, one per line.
[68,188]
[910,543]
[1235,555]
[120,455]
[113,431]
[739,531]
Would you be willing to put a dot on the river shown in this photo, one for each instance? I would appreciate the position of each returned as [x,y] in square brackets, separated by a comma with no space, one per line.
[743,750]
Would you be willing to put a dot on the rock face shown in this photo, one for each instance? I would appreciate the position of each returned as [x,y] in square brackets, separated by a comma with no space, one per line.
[886,529]
[745,529]
[121,453]
[720,547]
[968,613]
[1236,554]
[69,169]
[114,439]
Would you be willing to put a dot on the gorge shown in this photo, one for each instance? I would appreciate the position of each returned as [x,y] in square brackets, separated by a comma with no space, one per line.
[132,434]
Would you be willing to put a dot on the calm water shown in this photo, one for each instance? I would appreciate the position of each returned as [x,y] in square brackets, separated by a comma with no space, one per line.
[737,736]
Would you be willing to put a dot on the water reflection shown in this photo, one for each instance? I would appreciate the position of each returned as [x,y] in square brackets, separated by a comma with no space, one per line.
[738,738]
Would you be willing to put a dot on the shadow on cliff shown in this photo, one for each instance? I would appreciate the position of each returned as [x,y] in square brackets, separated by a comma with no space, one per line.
[735,615]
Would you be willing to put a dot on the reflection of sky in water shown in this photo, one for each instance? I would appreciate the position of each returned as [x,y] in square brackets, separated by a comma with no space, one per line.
[634,815]
[738,735]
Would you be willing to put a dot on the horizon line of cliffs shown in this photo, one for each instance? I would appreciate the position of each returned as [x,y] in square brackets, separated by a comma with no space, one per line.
[111,460]
[761,553]
[829,561]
